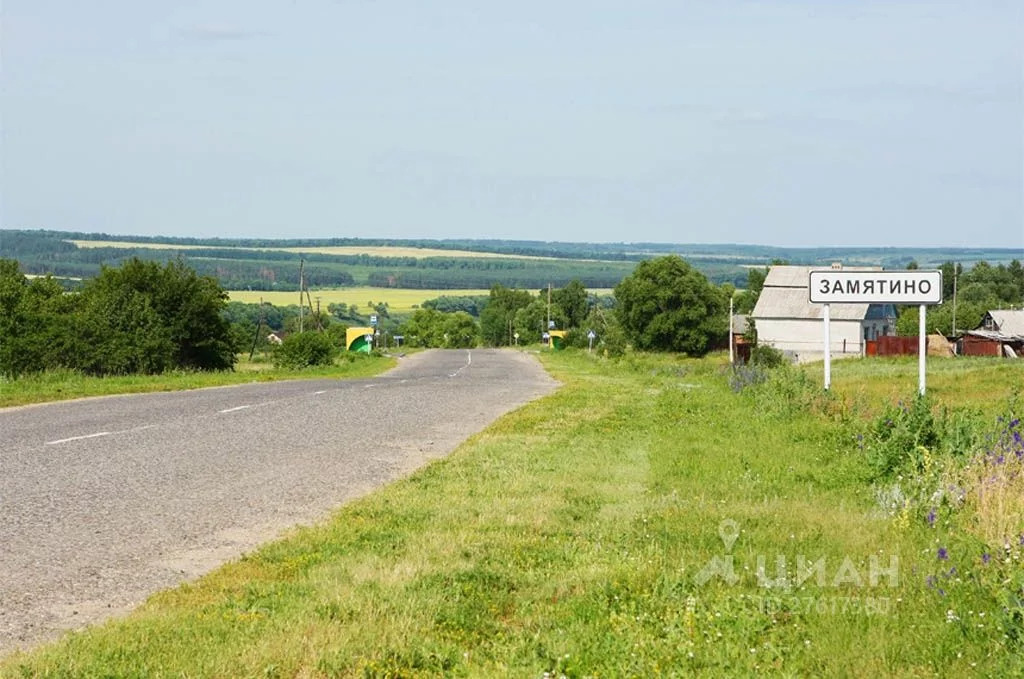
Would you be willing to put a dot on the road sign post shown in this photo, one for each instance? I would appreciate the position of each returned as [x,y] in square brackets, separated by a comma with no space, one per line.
[827,318]
[590,340]
[922,348]
[838,286]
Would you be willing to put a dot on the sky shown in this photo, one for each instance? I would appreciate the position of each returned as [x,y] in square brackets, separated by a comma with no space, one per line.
[777,122]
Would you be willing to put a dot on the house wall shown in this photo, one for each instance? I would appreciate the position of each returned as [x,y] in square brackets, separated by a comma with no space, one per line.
[878,328]
[808,336]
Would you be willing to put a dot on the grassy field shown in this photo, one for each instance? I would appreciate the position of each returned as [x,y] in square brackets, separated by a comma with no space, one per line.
[373,250]
[631,524]
[399,300]
[63,385]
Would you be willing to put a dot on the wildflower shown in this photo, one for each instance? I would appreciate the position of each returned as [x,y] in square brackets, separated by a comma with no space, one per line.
[951,616]
[930,581]
[986,557]
[943,554]
[931,517]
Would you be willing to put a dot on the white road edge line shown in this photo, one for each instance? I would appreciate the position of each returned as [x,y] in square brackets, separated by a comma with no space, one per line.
[236,408]
[317,393]
[78,438]
[469,361]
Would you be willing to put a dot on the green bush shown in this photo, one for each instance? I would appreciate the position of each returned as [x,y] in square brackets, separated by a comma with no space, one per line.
[766,356]
[305,349]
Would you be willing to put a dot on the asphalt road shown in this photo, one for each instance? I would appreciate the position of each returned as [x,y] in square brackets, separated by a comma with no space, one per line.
[106,500]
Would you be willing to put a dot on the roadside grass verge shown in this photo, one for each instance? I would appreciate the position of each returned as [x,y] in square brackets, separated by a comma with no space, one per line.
[955,381]
[631,524]
[59,385]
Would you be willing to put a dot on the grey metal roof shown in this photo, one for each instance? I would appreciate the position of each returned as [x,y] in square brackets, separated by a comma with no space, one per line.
[995,335]
[785,276]
[785,295]
[791,302]
[1009,321]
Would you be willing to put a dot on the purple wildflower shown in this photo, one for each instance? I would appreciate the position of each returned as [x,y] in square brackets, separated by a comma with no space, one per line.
[986,557]
[943,554]
[930,581]
[1014,422]
[931,517]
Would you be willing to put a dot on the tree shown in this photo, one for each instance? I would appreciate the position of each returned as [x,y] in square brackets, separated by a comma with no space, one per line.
[572,301]
[188,307]
[667,305]
[460,331]
[432,328]
[37,323]
[498,315]
[610,340]
[746,300]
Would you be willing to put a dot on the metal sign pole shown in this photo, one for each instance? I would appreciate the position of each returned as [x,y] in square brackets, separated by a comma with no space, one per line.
[732,358]
[828,347]
[922,348]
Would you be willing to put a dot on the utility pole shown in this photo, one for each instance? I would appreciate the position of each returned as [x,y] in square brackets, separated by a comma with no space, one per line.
[954,300]
[732,358]
[256,337]
[549,306]
[302,286]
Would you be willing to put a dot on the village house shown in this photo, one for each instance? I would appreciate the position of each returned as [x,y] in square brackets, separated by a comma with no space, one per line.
[785,319]
[1001,333]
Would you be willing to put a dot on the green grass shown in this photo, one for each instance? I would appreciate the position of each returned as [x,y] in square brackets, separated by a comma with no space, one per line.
[569,538]
[59,385]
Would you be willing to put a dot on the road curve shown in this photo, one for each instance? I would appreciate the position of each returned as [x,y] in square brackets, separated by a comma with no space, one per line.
[106,500]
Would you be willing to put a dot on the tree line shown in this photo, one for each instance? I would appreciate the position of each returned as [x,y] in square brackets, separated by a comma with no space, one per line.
[142,317]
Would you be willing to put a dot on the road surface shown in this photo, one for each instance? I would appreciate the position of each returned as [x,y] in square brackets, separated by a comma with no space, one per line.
[106,500]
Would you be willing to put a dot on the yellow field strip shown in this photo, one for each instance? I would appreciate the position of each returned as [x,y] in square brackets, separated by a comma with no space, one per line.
[373,251]
[398,299]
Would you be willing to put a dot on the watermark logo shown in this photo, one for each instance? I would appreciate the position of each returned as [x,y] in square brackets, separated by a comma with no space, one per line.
[785,573]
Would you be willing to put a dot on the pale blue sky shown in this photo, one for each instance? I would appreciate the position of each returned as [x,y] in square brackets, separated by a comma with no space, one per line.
[815,122]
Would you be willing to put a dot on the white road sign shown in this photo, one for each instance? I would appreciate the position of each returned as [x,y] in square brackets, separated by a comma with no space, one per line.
[828,286]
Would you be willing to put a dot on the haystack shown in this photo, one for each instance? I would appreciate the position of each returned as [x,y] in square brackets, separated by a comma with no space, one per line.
[939,346]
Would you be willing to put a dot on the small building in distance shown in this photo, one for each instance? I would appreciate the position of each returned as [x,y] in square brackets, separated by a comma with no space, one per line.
[1001,333]
[786,320]
[741,340]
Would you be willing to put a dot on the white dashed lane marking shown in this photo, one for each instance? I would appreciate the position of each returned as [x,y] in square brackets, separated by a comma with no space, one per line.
[78,438]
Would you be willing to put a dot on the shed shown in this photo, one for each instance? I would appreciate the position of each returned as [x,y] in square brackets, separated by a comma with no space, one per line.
[1001,333]
[786,319]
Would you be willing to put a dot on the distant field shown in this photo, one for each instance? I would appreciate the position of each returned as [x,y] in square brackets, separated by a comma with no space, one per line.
[372,250]
[398,299]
